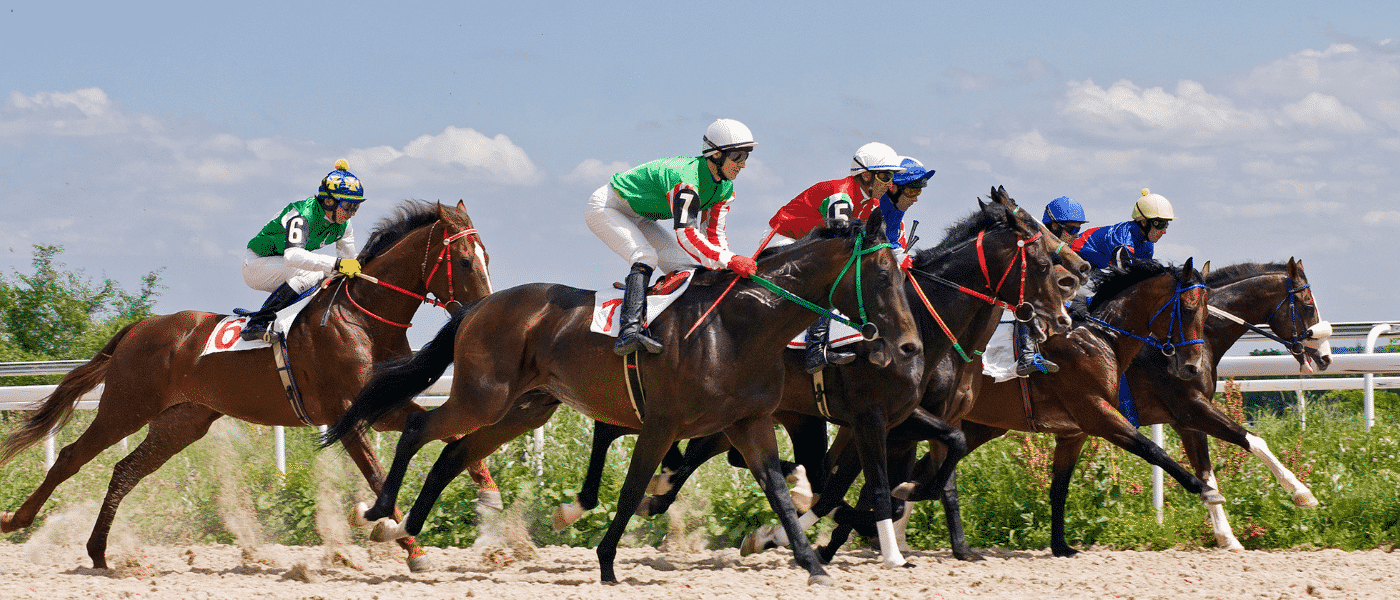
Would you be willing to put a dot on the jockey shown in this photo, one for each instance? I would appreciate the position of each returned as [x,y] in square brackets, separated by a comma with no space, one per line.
[1151,215]
[872,174]
[904,192]
[279,258]
[1063,217]
[695,193]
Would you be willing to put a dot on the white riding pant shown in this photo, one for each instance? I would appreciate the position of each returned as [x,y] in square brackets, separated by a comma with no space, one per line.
[265,273]
[635,238]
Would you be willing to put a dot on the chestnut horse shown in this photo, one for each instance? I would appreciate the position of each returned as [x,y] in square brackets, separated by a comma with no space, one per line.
[727,378]
[156,372]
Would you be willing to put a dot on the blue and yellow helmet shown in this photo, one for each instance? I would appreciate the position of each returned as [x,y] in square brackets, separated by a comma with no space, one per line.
[341,185]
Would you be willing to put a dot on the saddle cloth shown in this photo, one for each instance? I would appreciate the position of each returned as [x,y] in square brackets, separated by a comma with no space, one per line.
[227,336]
[999,359]
[607,302]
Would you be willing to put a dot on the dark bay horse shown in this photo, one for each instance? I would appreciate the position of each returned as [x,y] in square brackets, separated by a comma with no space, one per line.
[156,373]
[1148,304]
[727,378]
[1241,295]
[961,285]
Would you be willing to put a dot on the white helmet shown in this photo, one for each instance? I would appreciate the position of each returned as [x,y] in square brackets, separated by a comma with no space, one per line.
[726,134]
[1152,206]
[875,157]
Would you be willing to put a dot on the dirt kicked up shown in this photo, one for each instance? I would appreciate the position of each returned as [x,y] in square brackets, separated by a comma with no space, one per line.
[376,571]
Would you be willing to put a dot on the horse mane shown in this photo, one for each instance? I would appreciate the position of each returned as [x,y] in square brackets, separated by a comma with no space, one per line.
[1113,282]
[1239,272]
[407,216]
[957,233]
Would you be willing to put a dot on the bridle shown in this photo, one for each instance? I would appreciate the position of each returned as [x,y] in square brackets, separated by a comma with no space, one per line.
[1175,327]
[1016,310]
[1296,345]
[868,330]
[444,256]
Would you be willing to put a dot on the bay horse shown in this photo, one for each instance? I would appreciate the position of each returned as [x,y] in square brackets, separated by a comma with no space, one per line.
[1241,295]
[962,274]
[1144,306]
[156,373]
[727,378]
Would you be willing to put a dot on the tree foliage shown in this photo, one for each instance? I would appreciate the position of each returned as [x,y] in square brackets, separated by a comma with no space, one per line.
[55,313]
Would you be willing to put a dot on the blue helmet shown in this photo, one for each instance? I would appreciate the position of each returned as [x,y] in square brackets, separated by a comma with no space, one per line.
[1063,208]
[341,185]
[914,171]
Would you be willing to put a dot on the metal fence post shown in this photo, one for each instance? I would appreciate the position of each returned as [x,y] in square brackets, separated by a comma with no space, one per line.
[1368,395]
[279,443]
[1159,438]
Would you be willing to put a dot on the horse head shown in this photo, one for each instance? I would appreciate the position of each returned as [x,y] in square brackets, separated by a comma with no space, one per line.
[874,289]
[1296,319]
[423,249]
[1161,306]
[464,260]
[1045,287]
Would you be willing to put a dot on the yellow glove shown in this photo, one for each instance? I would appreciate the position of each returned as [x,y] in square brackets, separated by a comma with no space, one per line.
[348,266]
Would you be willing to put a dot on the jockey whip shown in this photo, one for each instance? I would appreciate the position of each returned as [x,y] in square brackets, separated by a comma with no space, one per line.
[731,286]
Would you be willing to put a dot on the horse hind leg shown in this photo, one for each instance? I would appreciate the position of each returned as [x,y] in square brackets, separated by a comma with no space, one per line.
[1197,448]
[107,428]
[170,432]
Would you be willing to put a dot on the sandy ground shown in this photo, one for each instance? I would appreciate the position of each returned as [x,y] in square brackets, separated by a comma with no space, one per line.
[376,571]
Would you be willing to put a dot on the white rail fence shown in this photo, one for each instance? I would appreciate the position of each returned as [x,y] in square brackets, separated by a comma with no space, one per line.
[1281,370]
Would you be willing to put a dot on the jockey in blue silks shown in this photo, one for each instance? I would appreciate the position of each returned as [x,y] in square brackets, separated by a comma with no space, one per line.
[904,192]
[1063,217]
[1152,213]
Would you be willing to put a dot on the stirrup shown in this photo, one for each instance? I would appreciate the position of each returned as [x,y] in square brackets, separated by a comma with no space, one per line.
[1037,364]
[629,343]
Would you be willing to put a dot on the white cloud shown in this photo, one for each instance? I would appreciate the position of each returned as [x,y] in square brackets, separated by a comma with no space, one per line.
[84,112]
[592,171]
[1384,217]
[1124,108]
[1321,110]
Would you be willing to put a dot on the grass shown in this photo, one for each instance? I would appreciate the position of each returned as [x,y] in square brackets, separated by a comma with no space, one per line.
[226,487]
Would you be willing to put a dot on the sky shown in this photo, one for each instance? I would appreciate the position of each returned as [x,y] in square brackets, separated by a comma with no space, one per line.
[160,136]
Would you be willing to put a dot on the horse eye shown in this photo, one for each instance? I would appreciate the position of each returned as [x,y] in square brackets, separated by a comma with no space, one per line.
[466,263]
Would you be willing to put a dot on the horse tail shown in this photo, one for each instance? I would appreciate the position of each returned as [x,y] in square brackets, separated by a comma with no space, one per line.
[56,410]
[398,382]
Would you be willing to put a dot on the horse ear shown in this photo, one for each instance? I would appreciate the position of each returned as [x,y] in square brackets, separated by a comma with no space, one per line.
[1186,268]
[1205,270]
[1293,266]
[1121,258]
[981,205]
[875,224]
[462,206]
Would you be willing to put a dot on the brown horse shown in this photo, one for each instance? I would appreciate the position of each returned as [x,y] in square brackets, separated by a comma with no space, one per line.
[156,372]
[727,378]
[1146,305]
[867,399]
[1240,296]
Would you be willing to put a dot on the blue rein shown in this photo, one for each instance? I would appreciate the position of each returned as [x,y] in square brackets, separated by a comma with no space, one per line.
[1174,328]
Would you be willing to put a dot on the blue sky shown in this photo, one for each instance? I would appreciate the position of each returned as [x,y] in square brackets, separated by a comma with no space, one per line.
[144,136]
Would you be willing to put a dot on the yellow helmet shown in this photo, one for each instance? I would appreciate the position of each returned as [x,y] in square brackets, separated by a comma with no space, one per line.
[1152,206]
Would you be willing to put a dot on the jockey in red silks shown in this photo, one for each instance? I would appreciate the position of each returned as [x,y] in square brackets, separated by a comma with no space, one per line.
[872,174]
[695,193]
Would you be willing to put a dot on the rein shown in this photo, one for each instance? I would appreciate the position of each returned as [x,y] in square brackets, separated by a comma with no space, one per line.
[1167,347]
[982,260]
[1295,344]
[856,253]
[443,255]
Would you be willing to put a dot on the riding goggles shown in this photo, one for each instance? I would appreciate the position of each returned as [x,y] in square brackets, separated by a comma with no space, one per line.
[883,176]
[1158,223]
[738,156]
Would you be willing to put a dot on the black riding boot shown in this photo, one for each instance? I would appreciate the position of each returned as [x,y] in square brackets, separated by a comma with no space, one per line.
[819,352]
[258,322]
[634,334]
[1028,360]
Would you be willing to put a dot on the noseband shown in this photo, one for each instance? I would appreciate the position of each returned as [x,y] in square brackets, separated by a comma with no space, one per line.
[444,255]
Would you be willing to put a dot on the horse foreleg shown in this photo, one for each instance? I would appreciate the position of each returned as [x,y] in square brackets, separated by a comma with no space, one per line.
[870,431]
[450,463]
[358,448]
[755,440]
[604,434]
[1302,496]
[1197,448]
[410,442]
[1067,451]
[646,456]
[169,433]
[698,451]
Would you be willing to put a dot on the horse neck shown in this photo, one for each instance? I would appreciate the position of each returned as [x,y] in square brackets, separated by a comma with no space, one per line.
[401,265]
[1130,312]
[966,316]
[810,276]
[1251,299]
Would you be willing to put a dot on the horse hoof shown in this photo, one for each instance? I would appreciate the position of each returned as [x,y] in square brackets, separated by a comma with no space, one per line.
[1212,497]
[889,564]
[420,564]
[757,541]
[660,484]
[387,530]
[565,515]
[7,522]
[490,499]
[822,580]
[903,490]
[1304,499]
[357,515]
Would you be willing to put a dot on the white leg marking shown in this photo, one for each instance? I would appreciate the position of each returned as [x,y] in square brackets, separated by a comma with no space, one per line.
[802,497]
[1302,496]
[1219,522]
[889,548]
